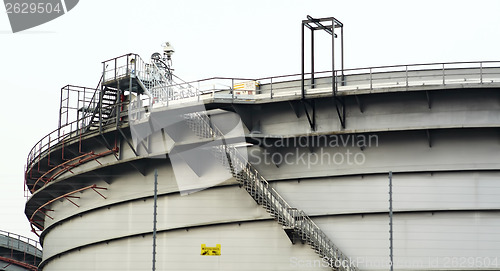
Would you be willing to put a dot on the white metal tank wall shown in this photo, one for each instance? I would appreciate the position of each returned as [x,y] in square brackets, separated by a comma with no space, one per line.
[186,222]
[434,212]
[118,237]
[446,186]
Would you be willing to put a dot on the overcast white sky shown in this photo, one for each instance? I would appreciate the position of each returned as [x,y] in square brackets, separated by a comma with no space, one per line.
[250,39]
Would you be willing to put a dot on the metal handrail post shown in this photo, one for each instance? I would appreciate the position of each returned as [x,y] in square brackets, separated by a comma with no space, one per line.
[313,83]
[271,87]
[302,63]
[126,65]
[232,88]
[371,82]
[135,65]
[481,72]
[334,79]
[444,82]
[60,107]
[342,53]
[406,72]
[336,82]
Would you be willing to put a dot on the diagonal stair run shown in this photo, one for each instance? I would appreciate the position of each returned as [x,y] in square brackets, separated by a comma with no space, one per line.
[105,109]
[293,220]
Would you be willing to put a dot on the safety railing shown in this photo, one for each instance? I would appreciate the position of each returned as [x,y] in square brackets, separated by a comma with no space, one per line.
[122,66]
[71,131]
[207,90]
[400,76]
[482,72]
[66,132]
[290,218]
[158,84]
[182,92]
[77,103]
[20,243]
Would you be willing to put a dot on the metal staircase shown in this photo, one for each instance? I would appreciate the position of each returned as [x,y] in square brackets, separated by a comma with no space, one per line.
[294,221]
[106,108]
[127,73]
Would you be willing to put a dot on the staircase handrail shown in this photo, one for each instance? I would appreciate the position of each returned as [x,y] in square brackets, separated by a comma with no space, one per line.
[292,217]
[93,109]
[298,219]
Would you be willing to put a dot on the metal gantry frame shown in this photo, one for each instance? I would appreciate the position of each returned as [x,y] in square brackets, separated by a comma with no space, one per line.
[317,24]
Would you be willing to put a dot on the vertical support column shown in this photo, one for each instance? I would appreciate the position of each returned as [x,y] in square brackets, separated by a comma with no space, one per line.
[391,255]
[334,80]
[302,62]
[342,53]
[154,218]
[312,59]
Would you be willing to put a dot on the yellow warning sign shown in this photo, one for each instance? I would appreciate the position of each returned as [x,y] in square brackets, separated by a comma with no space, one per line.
[250,85]
[210,251]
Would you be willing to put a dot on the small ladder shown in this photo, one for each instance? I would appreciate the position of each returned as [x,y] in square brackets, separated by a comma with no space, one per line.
[295,222]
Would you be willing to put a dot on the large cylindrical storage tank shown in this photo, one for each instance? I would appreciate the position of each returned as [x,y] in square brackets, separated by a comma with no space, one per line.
[18,253]
[326,154]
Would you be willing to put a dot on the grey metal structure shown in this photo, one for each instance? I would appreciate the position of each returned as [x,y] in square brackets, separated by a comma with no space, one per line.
[18,253]
[313,25]
[263,170]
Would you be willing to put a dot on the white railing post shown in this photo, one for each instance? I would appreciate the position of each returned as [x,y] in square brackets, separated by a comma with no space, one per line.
[406,72]
[271,87]
[444,82]
[232,88]
[371,82]
[480,72]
